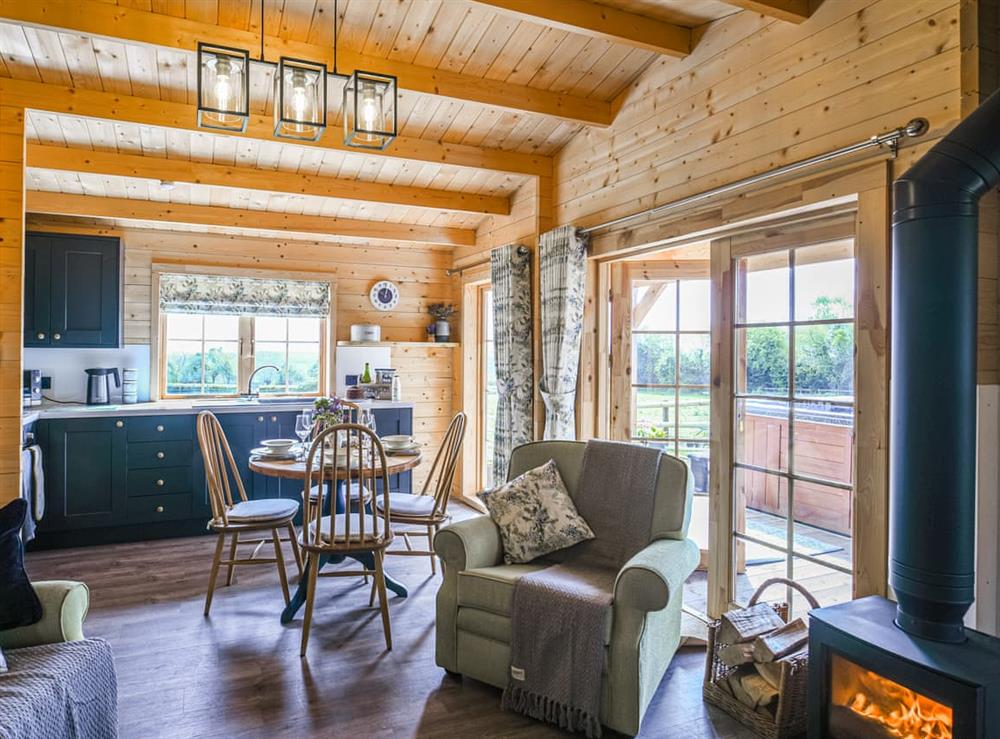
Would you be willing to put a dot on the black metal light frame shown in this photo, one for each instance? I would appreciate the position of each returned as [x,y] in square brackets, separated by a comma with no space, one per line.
[244,114]
[387,136]
[279,119]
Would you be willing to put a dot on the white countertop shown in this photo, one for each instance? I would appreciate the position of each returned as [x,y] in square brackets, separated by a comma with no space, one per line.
[176,407]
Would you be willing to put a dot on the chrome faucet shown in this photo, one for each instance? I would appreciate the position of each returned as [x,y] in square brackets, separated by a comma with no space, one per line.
[250,394]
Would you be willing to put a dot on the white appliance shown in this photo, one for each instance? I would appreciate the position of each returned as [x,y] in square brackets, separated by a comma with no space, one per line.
[351,361]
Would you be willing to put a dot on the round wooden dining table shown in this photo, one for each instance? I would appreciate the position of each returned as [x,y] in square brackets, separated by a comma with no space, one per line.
[296,470]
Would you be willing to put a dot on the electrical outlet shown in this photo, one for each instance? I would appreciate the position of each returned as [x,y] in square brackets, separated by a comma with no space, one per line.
[46,382]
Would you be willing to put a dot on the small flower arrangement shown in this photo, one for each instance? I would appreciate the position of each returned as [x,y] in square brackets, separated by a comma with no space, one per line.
[329,412]
[441,311]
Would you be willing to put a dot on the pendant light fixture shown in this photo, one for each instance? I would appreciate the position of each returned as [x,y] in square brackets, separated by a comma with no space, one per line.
[369,110]
[300,95]
[223,87]
[299,99]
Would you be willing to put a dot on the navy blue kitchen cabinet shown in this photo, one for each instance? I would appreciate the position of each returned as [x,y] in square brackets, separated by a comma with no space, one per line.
[84,462]
[72,291]
[126,478]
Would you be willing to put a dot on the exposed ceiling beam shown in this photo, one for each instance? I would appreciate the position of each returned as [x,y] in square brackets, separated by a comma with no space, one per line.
[106,20]
[88,206]
[793,11]
[601,21]
[250,178]
[163,114]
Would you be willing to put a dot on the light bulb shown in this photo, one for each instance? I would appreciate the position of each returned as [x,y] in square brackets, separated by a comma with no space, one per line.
[369,113]
[223,88]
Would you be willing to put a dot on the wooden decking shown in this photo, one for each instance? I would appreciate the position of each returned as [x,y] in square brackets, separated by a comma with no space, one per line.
[238,673]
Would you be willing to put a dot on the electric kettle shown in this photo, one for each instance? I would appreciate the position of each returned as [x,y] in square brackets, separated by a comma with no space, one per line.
[99,384]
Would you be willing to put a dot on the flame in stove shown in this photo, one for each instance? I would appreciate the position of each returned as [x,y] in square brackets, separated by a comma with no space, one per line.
[899,710]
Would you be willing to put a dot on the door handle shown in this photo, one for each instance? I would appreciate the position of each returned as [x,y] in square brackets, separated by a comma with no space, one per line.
[160,429]
[119,424]
[159,483]
[40,336]
[56,337]
[160,455]
[159,509]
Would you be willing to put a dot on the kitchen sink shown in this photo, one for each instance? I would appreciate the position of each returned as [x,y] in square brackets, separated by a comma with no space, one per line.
[252,402]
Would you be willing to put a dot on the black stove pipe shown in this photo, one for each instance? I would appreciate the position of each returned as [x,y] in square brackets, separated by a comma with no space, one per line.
[935,245]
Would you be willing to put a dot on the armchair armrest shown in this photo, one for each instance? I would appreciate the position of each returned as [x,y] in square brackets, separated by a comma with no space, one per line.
[64,607]
[474,542]
[647,581]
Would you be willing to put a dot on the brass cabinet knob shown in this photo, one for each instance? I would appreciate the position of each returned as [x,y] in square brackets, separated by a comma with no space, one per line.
[260,419]
[119,424]
[160,429]
[274,418]
[40,336]
[159,509]
[160,455]
[57,336]
[160,483]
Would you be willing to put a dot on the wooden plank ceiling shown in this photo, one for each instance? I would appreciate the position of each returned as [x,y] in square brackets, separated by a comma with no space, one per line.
[495,46]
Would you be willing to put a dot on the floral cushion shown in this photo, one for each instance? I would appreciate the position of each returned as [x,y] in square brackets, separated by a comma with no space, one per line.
[535,515]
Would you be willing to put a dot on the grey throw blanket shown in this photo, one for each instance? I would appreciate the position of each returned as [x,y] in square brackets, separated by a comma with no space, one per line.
[560,615]
[60,690]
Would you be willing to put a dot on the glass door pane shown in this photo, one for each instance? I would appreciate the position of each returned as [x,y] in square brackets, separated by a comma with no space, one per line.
[793,416]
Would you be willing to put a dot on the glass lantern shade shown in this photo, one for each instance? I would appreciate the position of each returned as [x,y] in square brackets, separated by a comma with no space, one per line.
[299,100]
[223,87]
[369,110]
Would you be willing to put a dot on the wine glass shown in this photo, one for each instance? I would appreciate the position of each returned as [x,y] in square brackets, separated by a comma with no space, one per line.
[303,428]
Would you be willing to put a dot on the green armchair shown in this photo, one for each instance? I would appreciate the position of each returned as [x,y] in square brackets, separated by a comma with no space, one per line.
[64,607]
[473,603]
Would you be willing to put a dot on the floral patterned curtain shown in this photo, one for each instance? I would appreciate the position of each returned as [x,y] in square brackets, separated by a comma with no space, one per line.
[189,293]
[510,272]
[562,259]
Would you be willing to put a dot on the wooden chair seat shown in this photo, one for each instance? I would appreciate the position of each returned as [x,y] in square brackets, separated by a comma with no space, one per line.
[267,511]
[352,494]
[404,505]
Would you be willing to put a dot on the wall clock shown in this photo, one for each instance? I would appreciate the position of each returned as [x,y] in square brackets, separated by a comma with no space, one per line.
[384,295]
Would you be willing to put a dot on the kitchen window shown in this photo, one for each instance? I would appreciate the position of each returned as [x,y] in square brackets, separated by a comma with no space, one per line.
[215,331]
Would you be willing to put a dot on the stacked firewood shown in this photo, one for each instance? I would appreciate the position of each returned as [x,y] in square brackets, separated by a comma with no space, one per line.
[756,644]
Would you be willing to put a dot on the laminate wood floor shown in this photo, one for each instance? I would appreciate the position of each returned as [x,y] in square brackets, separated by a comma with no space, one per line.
[238,673]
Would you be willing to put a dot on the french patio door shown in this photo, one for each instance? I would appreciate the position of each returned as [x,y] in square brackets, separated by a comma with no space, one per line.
[784,425]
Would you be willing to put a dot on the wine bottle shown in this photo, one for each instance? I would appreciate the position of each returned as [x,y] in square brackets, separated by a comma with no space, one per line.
[366,374]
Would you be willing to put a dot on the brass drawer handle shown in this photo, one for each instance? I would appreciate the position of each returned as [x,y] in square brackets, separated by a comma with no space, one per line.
[274,418]
[260,419]
[160,483]
[160,429]
[160,455]
[119,424]
[57,336]
[40,336]
[159,509]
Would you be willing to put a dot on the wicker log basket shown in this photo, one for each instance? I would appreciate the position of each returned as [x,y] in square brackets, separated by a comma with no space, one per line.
[791,713]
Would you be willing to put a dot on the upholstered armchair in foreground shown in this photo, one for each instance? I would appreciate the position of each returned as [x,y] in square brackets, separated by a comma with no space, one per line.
[473,604]
[59,683]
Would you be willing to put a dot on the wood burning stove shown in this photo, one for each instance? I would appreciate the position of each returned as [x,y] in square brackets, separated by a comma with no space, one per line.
[869,679]
[911,668]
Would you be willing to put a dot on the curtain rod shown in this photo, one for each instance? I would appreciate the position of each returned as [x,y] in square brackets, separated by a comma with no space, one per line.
[521,252]
[916,127]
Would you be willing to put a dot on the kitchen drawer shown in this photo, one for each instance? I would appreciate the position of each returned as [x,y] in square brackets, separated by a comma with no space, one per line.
[159,481]
[151,508]
[159,428]
[154,454]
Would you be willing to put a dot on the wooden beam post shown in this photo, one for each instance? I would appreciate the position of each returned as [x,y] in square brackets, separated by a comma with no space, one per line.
[182,116]
[793,11]
[118,164]
[601,21]
[11,296]
[131,24]
[58,203]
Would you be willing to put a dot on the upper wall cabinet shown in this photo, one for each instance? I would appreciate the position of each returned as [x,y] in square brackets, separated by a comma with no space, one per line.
[71,291]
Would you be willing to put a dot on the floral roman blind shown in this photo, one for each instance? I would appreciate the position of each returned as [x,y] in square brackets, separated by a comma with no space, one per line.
[220,294]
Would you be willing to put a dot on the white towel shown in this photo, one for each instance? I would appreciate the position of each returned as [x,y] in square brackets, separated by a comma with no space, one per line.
[37,482]
[27,492]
